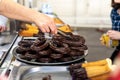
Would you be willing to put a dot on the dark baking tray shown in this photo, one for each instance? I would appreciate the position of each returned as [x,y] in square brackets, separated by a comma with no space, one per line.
[47,64]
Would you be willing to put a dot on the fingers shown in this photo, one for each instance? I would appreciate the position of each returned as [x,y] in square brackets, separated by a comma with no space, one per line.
[53,28]
[114,34]
[3,78]
[45,28]
[46,24]
[48,27]
[2,28]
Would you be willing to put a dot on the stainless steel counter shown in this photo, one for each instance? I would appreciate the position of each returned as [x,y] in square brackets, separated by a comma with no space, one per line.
[7,58]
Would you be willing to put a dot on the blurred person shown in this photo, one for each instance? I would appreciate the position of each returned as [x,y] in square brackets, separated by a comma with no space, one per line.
[114,33]
[13,10]
[3,23]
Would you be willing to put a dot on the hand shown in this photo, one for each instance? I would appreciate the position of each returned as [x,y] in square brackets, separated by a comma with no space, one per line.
[114,34]
[13,10]
[2,28]
[117,1]
[45,23]
[3,78]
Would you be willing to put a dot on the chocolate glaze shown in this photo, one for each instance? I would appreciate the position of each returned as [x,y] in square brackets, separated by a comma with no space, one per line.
[57,49]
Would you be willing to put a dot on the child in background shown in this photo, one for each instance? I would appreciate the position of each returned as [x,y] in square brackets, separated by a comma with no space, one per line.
[3,23]
[114,33]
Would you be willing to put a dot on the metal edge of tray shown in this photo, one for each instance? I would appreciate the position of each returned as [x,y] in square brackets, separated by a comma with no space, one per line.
[47,64]
[29,38]
[5,55]
[43,69]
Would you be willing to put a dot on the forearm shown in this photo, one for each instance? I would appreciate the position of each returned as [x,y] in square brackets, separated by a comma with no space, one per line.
[13,10]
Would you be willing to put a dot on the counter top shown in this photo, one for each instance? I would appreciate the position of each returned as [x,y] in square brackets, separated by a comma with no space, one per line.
[7,56]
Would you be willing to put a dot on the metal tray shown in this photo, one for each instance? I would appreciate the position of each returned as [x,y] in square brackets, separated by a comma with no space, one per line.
[37,73]
[47,64]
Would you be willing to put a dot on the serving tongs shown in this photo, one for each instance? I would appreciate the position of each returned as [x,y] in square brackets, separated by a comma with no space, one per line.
[49,35]
[64,34]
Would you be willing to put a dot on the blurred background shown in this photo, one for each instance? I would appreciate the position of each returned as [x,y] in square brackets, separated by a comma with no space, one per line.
[82,13]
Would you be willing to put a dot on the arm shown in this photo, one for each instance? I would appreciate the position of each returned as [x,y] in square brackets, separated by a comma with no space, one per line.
[13,10]
[16,11]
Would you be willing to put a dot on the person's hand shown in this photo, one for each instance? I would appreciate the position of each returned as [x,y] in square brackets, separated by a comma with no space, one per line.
[20,12]
[45,23]
[3,77]
[114,34]
[2,28]
[117,1]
